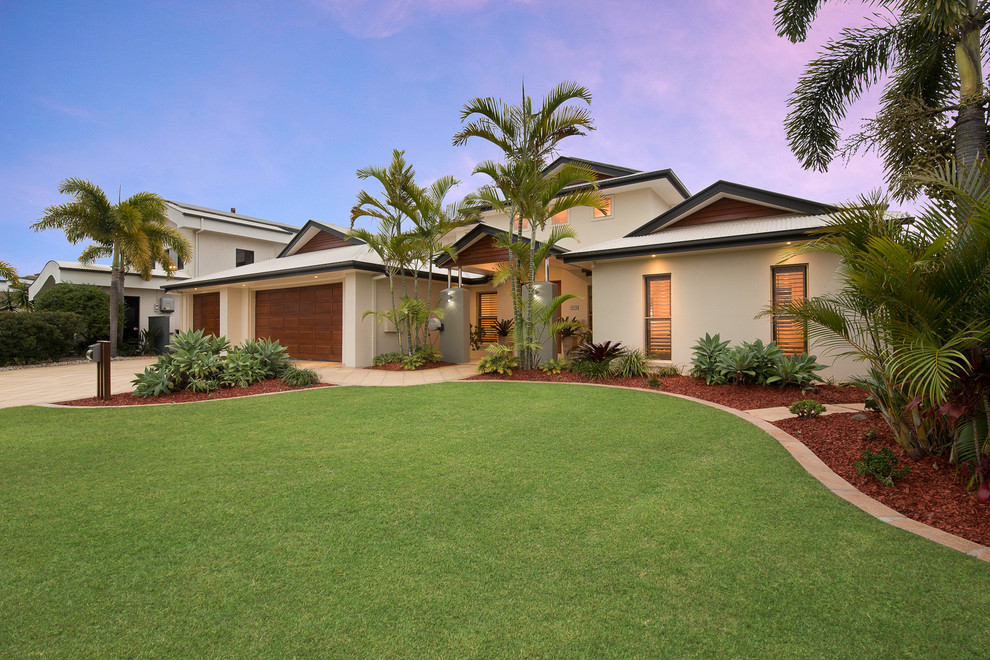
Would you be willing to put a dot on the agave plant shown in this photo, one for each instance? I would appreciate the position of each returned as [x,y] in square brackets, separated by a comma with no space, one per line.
[704,363]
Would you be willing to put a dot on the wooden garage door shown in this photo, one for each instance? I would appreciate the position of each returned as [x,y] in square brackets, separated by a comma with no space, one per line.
[206,313]
[306,320]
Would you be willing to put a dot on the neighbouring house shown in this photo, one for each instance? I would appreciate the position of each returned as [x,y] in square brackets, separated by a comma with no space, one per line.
[656,269]
[219,241]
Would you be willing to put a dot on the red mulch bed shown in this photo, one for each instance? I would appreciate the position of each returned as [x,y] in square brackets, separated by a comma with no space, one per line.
[397,366]
[741,397]
[932,493]
[185,396]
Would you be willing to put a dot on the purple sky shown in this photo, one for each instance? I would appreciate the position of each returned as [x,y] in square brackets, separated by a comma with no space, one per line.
[271,106]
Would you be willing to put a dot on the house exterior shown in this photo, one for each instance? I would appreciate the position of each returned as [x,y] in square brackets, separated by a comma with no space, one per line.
[657,269]
[219,240]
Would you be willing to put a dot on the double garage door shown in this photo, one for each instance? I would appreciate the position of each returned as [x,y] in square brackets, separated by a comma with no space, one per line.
[306,320]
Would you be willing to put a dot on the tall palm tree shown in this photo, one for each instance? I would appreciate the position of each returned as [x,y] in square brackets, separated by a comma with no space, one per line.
[8,272]
[133,233]
[529,136]
[932,55]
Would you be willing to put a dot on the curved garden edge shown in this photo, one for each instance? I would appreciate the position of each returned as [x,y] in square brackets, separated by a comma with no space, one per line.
[825,475]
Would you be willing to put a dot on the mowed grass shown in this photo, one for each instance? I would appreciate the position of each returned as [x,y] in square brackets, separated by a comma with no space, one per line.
[465,519]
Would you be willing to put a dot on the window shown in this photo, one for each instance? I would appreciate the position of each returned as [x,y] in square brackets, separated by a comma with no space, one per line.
[175,262]
[658,316]
[560,218]
[607,212]
[521,223]
[488,316]
[244,257]
[790,283]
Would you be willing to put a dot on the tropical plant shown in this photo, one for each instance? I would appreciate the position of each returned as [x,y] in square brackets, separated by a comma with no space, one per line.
[8,272]
[523,191]
[632,364]
[133,234]
[764,359]
[503,327]
[148,345]
[270,354]
[806,409]
[382,359]
[705,358]
[295,377]
[16,298]
[499,360]
[553,366]
[882,466]
[736,365]
[477,336]
[798,370]
[667,371]
[153,382]
[601,352]
[912,304]
[931,53]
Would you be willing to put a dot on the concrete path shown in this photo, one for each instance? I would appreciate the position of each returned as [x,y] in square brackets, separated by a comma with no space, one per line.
[782,412]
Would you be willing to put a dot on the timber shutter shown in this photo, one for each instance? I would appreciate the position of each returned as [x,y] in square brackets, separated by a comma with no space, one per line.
[790,284]
[658,316]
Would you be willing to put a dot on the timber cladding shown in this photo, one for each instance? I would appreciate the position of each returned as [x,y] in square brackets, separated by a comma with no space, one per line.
[323,241]
[729,209]
[206,313]
[482,251]
[307,320]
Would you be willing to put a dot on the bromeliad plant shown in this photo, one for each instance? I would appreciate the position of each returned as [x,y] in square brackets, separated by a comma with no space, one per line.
[594,360]
[203,363]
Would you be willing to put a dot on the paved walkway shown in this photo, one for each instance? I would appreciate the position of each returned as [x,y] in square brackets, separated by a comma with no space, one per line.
[64,382]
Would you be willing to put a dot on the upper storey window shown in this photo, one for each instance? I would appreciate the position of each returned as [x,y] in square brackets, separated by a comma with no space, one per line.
[605,211]
[560,218]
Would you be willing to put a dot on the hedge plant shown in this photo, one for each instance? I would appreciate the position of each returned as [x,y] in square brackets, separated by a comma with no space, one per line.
[44,336]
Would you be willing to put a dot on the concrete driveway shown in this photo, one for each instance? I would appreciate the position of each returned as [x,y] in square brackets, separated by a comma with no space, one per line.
[33,385]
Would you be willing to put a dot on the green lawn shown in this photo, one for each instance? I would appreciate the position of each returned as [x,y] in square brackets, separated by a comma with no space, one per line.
[466,519]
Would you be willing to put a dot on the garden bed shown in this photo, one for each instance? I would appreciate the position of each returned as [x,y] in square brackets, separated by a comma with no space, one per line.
[932,492]
[741,397]
[397,366]
[187,396]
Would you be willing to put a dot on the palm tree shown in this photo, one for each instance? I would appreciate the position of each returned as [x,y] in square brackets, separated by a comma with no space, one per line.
[133,233]
[912,305]
[8,272]
[931,53]
[528,137]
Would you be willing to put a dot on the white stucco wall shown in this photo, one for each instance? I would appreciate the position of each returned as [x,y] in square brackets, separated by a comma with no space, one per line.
[714,292]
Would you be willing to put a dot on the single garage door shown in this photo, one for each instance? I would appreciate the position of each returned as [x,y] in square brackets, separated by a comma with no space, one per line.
[306,320]
[206,313]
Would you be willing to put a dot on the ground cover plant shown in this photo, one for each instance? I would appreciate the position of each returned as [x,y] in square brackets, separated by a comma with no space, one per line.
[634,525]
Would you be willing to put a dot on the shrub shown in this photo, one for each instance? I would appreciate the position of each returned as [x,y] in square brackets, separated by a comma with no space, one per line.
[705,359]
[241,369]
[271,355]
[300,377]
[736,365]
[503,327]
[500,360]
[882,466]
[763,358]
[89,301]
[552,366]
[630,365]
[598,353]
[668,371]
[807,409]
[27,337]
[153,382]
[796,370]
[382,359]
[430,354]
[413,362]
[591,370]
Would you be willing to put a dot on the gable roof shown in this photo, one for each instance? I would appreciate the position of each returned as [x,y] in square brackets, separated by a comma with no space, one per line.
[310,230]
[711,236]
[232,218]
[477,233]
[775,203]
[605,170]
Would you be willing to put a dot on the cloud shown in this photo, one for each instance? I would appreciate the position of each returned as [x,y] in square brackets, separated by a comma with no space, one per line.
[67,110]
[379,19]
